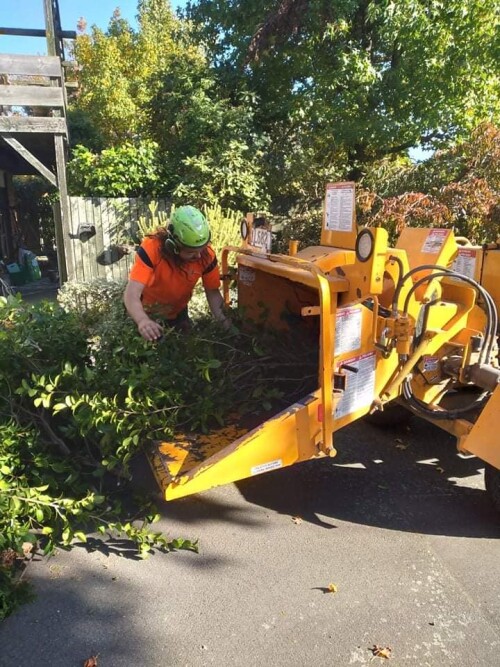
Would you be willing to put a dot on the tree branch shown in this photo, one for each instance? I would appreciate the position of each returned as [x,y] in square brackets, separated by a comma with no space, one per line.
[285,21]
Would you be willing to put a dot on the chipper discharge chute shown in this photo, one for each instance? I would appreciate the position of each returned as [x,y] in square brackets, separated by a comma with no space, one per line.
[411,325]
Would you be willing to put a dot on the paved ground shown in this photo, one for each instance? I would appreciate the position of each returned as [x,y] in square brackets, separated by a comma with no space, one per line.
[405,533]
[43,289]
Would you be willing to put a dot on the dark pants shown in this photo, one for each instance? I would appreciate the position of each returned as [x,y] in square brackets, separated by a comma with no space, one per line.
[181,322]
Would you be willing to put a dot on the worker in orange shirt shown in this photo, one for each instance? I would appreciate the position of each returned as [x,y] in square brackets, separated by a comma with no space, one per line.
[167,266]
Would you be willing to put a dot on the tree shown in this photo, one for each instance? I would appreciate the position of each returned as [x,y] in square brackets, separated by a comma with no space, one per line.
[341,84]
[117,68]
[213,153]
[150,100]
[458,187]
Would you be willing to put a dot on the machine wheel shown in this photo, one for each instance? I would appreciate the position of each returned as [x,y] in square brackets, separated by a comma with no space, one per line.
[392,415]
[492,484]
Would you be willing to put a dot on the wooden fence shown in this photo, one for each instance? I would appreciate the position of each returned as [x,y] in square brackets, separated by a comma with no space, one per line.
[100,227]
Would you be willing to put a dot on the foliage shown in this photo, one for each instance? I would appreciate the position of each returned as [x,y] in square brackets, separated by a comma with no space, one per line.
[339,85]
[56,432]
[458,188]
[224,226]
[83,130]
[80,395]
[214,155]
[149,224]
[116,68]
[301,226]
[90,301]
[129,170]
[152,96]
[13,591]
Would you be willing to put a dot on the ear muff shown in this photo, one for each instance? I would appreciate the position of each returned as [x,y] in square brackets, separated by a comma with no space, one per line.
[170,242]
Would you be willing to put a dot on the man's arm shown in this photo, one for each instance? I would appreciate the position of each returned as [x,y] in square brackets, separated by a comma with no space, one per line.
[216,305]
[148,328]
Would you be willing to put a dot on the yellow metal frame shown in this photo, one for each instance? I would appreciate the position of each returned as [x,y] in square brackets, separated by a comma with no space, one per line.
[340,280]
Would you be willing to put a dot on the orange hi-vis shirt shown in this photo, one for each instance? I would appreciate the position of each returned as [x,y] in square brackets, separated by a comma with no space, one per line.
[168,288]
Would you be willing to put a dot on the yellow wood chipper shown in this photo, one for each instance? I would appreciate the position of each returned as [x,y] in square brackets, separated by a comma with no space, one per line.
[415,326]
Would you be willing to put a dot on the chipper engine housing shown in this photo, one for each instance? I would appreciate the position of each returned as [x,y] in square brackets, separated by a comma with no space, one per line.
[414,324]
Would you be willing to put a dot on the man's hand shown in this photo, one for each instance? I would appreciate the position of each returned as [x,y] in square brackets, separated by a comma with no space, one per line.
[149,329]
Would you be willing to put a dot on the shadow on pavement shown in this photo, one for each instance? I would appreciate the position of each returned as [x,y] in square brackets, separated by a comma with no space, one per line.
[78,612]
[408,480]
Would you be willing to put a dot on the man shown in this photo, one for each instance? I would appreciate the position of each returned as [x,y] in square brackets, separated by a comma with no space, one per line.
[168,265]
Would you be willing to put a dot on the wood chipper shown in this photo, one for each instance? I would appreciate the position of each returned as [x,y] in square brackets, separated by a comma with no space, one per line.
[415,325]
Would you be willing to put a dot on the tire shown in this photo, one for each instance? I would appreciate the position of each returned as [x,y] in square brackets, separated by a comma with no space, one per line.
[492,485]
[391,415]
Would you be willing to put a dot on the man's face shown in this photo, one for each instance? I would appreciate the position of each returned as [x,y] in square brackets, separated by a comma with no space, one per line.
[191,254]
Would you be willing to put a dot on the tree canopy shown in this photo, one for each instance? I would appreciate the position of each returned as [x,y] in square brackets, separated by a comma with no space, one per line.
[260,102]
[351,81]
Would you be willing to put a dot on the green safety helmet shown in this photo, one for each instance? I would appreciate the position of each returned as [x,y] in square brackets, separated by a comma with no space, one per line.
[188,227]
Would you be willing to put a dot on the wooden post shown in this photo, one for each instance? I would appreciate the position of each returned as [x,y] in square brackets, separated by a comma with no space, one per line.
[63,220]
[50,28]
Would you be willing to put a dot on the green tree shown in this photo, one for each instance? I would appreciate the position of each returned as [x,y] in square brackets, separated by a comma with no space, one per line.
[129,170]
[341,84]
[213,153]
[117,67]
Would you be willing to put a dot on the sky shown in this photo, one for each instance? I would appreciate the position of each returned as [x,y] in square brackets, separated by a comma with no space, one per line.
[29,14]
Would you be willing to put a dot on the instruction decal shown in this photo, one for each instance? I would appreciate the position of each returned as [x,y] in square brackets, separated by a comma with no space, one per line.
[465,262]
[246,276]
[348,330]
[360,386]
[434,241]
[339,207]
[266,467]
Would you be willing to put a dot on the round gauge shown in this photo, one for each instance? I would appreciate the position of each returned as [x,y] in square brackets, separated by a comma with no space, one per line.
[364,245]
[244,229]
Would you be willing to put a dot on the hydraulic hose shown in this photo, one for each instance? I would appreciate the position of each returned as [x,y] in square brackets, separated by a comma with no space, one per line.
[491,315]
[486,348]
[419,406]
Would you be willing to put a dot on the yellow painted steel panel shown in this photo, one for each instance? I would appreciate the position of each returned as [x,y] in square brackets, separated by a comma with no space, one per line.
[484,439]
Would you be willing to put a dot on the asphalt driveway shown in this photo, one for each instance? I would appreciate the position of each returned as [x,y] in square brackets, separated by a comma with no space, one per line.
[397,522]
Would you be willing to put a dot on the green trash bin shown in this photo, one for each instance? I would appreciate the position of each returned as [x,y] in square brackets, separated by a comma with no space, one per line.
[32,267]
[18,274]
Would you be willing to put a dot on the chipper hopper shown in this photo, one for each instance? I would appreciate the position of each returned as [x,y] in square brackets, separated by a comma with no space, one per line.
[414,325]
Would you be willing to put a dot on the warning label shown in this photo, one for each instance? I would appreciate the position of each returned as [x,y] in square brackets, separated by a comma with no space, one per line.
[430,364]
[339,207]
[246,275]
[348,330]
[360,389]
[434,241]
[465,263]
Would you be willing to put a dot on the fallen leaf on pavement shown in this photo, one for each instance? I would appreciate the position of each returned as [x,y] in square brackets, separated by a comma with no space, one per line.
[381,651]
[91,662]
[296,519]
[439,469]
[332,588]
[400,444]
[27,548]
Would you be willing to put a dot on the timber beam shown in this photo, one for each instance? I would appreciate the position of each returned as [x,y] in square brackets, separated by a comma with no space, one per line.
[29,157]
